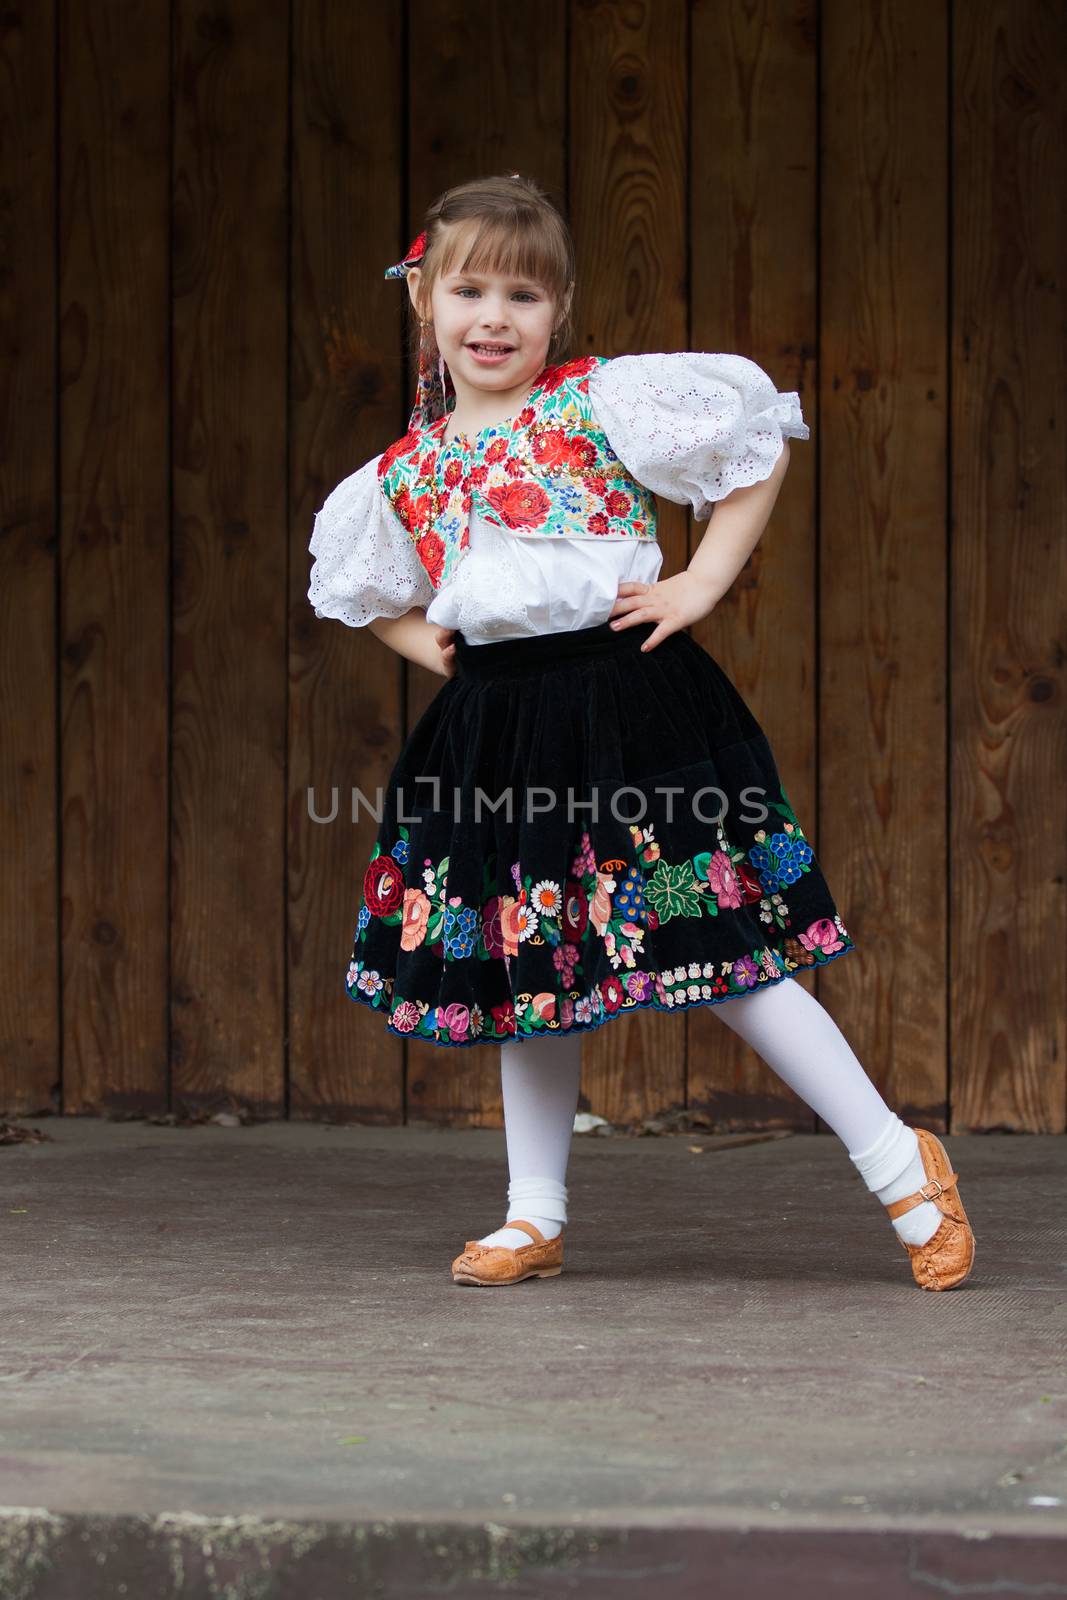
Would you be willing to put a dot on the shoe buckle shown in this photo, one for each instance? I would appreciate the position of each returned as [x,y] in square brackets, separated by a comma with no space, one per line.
[935,1184]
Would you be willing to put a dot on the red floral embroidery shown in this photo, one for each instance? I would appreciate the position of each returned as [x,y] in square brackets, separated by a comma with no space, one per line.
[612,993]
[552,448]
[431,552]
[752,889]
[575,909]
[583,456]
[420,514]
[522,505]
[383,885]
[399,448]
[580,367]
[504,1017]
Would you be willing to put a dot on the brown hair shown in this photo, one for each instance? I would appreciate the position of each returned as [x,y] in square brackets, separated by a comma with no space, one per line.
[519,232]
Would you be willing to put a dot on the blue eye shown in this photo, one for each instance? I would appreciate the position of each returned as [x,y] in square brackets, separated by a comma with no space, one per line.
[525,292]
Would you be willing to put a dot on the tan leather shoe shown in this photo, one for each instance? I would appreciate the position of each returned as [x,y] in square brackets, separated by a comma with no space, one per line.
[496,1263]
[945,1260]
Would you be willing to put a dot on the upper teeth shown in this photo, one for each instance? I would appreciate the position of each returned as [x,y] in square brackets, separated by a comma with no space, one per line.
[493,349]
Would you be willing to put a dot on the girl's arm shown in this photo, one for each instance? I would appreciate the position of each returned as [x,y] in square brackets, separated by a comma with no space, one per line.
[732,534]
[734,531]
[412,637]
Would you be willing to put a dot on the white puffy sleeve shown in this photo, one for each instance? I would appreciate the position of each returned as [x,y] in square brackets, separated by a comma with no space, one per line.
[364,565]
[691,425]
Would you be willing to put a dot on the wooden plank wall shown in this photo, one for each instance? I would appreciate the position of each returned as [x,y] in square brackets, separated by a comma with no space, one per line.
[198,203]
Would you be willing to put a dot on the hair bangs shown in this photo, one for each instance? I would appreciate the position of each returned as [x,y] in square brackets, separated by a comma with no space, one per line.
[518,246]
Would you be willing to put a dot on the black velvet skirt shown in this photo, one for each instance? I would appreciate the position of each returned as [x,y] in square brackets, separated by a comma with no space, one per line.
[576,829]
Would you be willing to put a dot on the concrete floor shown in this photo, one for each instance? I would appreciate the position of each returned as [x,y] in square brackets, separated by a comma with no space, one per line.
[233,1361]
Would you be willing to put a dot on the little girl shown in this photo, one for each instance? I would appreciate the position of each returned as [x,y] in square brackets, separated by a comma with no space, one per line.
[587,820]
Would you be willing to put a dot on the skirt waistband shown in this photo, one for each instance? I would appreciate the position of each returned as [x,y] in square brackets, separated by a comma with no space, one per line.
[539,652]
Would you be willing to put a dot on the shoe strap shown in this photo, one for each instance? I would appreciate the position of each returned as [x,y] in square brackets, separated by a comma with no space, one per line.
[528,1227]
[932,1189]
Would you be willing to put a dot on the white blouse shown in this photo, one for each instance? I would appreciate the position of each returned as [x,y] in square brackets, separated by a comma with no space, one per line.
[689,425]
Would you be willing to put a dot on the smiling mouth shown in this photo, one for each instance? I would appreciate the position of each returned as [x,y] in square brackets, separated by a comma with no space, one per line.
[491,349]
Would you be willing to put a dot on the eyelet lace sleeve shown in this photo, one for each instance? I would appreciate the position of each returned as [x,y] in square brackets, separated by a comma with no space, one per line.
[364,565]
[691,425]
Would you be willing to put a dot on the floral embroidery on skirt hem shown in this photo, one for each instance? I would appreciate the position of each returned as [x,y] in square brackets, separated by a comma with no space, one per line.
[685,993]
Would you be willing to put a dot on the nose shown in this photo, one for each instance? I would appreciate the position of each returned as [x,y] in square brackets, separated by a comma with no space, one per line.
[494,316]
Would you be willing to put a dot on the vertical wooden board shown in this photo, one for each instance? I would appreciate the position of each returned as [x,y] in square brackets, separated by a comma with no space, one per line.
[487,95]
[29,935]
[113,297]
[230,528]
[882,774]
[754,205]
[629,110]
[345,702]
[1008,930]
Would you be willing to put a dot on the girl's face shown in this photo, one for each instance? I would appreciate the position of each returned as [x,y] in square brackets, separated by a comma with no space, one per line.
[470,311]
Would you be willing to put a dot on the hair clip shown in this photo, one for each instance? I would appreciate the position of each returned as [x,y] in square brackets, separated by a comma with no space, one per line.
[415,252]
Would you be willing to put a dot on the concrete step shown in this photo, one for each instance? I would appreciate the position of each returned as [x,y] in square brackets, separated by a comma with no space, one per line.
[233,1361]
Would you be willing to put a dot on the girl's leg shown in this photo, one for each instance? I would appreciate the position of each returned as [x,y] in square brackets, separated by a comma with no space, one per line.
[540,1080]
[802,1043]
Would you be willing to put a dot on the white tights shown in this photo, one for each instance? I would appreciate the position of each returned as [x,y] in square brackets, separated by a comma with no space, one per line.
[539,1079]
[793,1034]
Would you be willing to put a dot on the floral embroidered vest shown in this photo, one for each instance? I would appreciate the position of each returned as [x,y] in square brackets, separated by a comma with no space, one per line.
[548,470]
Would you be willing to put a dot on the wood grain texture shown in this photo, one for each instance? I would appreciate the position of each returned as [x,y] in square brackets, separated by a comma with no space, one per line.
[629,100]
[113,307]
[30,1015]
[346,399]
[1009,568]
[753,202]
[883,410]
[197,207]
[230,535]
[465,121]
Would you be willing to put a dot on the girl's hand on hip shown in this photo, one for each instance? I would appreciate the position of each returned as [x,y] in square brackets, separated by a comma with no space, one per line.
[673,604]
[445,638]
